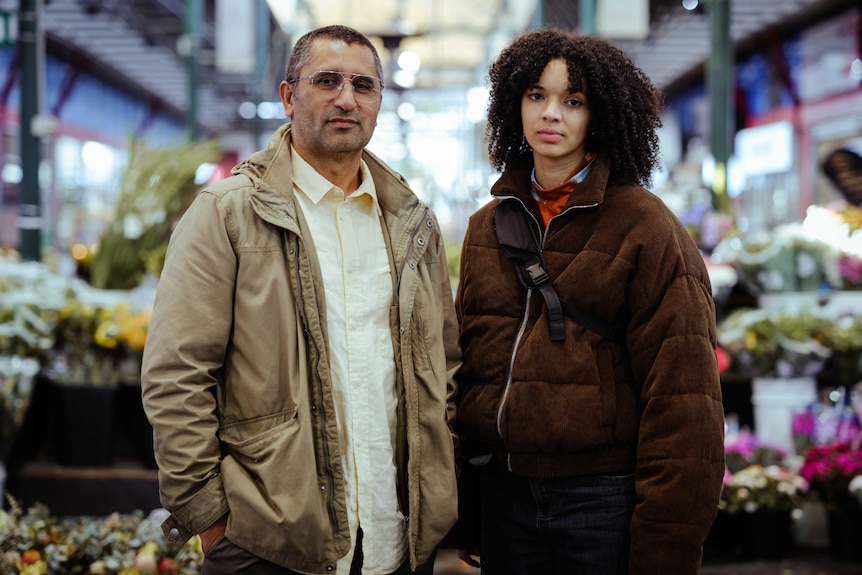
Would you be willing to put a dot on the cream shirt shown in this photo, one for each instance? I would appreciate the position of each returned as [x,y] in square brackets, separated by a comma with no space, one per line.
[357,278]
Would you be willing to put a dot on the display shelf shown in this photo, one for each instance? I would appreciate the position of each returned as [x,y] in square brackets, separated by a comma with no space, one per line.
[124,487]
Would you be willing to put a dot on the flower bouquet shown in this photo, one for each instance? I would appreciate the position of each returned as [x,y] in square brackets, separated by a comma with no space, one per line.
[774,343]
[844,337]
[758,498]
[36,543]
[98,343]
[784,260]
[829,469]
[759,488]
[840,227]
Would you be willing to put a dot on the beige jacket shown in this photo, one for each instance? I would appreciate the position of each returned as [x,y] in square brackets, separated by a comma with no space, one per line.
[236,381]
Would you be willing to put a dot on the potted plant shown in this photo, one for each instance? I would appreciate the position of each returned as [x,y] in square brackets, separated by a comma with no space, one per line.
[844,337]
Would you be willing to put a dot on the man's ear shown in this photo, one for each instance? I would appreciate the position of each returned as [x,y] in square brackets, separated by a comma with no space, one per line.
[286,91]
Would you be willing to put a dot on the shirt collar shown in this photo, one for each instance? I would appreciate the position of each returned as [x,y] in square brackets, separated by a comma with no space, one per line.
[316,187]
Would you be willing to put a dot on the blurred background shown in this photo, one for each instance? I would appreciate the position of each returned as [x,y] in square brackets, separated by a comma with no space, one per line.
[115,113]
[762,89]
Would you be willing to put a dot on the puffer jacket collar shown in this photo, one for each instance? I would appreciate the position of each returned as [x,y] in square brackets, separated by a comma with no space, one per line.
[515,182]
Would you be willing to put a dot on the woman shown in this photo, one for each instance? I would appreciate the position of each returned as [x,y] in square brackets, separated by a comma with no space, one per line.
[601,455]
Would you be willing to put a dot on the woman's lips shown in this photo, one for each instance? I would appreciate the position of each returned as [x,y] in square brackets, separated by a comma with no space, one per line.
[550,136]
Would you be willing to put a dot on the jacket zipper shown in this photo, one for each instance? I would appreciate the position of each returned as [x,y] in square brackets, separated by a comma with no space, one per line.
[525,317]
[330,474]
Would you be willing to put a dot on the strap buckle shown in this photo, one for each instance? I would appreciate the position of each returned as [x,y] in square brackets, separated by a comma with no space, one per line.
[537,273]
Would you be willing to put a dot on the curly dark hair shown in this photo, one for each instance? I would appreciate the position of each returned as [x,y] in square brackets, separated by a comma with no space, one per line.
[301,54]
[625,105]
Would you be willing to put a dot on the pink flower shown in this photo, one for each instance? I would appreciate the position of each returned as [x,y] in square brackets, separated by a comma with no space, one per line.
[828,469]
[851,268]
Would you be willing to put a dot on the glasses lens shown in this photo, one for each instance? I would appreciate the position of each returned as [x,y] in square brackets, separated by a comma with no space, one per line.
[327,81]
[366,89]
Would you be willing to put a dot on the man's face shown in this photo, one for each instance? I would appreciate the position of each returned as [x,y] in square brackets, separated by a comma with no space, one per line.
[331,125]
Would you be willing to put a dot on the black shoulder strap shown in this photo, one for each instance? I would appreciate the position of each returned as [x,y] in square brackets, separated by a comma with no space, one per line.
[519,243]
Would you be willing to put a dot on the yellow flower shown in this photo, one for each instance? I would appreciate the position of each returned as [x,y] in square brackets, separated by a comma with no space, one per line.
[31,563]
[133,330]
[107,335]
[150,547]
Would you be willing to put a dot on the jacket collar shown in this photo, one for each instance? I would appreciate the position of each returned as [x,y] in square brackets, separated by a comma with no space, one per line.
[515,181]
[272,173]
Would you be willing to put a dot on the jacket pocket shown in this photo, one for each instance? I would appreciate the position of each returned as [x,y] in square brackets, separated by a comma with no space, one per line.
[277,499]
[251,437]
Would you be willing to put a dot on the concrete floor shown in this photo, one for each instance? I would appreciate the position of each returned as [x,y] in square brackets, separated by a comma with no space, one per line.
[800,563]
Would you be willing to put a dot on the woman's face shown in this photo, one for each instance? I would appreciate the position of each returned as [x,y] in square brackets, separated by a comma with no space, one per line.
[555,119]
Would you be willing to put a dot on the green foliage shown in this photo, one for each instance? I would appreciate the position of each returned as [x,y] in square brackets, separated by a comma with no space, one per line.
[157,186]
[844,334]
[453,262]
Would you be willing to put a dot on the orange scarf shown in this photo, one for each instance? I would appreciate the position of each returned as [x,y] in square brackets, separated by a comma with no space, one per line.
[552,200]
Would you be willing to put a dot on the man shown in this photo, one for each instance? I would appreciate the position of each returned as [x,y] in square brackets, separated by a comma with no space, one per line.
[298,372]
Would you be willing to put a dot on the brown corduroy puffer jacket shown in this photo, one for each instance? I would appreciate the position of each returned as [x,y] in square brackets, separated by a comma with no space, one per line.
[587,405]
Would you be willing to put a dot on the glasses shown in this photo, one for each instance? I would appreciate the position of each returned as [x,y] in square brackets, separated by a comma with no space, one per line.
[327,83]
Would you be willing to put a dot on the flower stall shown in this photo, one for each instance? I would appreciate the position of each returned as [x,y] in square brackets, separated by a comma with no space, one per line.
[74,350]
[87,332]
[800,348]
[761,496]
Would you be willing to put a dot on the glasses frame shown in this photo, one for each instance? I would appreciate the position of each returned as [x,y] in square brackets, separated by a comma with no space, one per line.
[345,77]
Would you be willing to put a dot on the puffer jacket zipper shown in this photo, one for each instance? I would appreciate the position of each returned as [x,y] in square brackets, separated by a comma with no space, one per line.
[526,315]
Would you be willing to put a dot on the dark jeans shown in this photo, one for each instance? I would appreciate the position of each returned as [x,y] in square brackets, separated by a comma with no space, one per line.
[572,525]
[225,558]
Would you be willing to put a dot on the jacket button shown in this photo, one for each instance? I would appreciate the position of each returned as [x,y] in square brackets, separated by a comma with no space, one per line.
[323,487]
[412,266]
[330,568]
[174,533]
[420,241]
[313,407]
